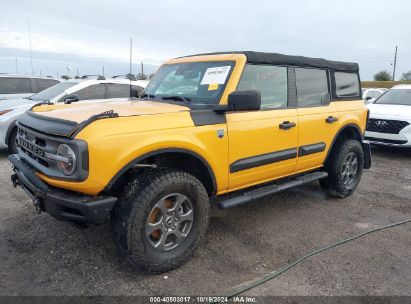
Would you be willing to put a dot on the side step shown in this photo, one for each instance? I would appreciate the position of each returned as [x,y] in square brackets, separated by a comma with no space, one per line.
[258,193]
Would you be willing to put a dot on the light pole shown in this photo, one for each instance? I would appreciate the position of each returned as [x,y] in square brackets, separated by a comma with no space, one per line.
[68,71]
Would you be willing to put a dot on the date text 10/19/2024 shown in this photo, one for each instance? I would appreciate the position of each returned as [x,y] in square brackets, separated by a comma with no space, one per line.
[203,299]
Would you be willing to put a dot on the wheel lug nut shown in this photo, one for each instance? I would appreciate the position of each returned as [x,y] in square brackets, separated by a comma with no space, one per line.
[177,219]
[174,227]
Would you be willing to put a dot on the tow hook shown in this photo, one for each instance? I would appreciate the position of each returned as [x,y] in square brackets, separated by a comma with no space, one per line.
[14,180]
[37,205]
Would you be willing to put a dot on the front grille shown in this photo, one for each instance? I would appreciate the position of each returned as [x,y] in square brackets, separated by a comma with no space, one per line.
[386,126]
[32,145]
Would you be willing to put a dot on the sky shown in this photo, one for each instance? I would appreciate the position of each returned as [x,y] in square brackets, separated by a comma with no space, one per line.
[87,35]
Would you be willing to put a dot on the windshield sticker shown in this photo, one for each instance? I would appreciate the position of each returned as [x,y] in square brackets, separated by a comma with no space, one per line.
[213,87]
[216,75]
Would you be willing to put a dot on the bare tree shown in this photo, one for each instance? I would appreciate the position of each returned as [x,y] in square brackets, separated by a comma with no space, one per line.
[406,76]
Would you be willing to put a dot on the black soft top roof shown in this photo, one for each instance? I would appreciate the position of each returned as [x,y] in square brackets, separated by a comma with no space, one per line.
[280,59]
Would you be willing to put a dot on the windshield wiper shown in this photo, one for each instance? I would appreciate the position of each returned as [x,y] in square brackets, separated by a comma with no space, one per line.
[145,95]
[176,98]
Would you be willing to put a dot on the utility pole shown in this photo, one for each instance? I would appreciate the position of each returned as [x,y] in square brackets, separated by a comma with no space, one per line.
[103,72]
[31,53]
[131,60]
[395,63]
[142,70]
[17,67]
[78,73]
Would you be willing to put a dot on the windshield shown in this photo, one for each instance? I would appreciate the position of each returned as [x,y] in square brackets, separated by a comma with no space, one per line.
[51,92]
[193,82]
[396,96]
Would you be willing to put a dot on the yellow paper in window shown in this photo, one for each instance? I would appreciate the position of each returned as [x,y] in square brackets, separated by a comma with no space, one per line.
[213,87]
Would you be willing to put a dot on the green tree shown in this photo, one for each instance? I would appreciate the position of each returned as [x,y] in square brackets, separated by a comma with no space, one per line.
[65,77]
[406,76]
[383,76]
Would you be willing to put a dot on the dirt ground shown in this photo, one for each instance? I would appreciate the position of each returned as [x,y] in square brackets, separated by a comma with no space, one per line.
[41,256]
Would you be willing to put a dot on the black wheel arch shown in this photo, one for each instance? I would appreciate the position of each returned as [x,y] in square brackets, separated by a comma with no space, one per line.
[177,158]
[351,131]
[12,126]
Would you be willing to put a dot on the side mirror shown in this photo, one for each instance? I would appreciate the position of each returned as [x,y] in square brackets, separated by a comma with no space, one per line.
[71,98]
[249,100]
[368,98]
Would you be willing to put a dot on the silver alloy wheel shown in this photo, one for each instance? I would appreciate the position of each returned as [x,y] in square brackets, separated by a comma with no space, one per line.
[170,221]
[349,169]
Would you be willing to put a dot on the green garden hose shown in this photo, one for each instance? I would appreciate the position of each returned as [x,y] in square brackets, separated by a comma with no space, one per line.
[275,274]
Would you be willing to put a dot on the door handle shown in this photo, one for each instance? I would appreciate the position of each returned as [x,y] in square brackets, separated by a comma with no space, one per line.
[285,125]
[331,119]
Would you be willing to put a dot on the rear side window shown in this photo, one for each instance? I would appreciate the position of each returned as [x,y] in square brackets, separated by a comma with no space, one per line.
[118,90]
[14,85]
[271,81]
[42,84]
[96,91]
[312,87]
[347,84]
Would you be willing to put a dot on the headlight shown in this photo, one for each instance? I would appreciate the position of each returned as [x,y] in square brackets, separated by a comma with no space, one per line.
[67,159]
[4,112]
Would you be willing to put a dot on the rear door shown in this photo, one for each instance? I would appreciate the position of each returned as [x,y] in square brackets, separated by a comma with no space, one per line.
[263,144]
[317,116]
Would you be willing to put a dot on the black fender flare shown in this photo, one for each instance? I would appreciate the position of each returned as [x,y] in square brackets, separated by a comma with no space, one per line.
[159,152]
[9,130]
[342,129]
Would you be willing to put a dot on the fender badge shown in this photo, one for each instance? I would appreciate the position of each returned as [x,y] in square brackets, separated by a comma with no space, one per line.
[220,133]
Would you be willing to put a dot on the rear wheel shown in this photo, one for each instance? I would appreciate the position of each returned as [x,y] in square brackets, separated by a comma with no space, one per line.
[12,145]
[344,167]
[160,219]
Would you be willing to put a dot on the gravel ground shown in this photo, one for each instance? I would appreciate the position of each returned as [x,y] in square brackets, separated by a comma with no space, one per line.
[41,256]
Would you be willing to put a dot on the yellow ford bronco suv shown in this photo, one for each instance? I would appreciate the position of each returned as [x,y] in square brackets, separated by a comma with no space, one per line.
[228,128]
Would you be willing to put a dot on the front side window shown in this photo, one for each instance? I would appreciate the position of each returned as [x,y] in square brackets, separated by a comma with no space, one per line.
[271,81]
[14,85]
[347,84]
[95,91]
[396,96]
[115,90]
[312,87]
[193,82]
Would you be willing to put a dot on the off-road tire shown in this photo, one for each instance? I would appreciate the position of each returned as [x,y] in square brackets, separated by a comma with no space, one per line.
[12,142]
[135,203]
[334,184]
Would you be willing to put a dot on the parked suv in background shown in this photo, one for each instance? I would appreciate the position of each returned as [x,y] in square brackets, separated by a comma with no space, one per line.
[63,92]
[390,118]
[18,86]
[229,126]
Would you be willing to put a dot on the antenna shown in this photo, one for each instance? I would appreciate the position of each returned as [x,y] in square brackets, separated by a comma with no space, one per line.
[131,60]
[31,53]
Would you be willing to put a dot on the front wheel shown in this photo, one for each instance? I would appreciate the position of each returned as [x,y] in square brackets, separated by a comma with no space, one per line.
[344,167]
[160,219]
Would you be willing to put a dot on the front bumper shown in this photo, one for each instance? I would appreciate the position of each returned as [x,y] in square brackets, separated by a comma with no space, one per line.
[61,204]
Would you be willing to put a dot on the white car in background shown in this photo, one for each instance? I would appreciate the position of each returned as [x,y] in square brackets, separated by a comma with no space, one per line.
[371,94]
[63,92]
[390,118]
[18,86]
